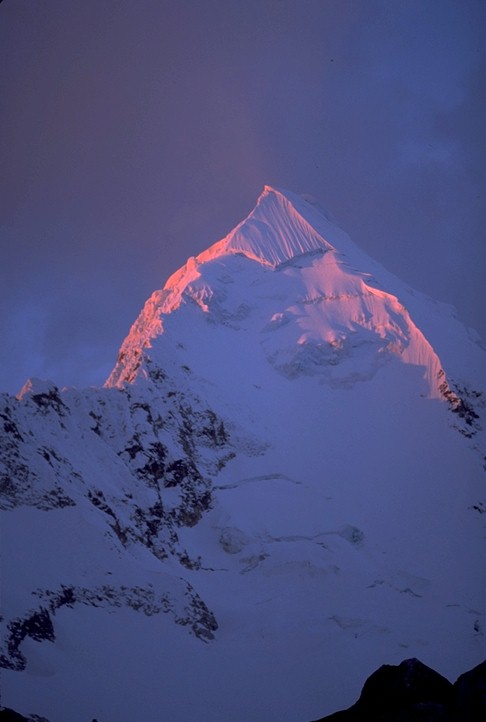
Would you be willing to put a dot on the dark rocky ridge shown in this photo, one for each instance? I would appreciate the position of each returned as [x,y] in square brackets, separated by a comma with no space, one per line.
[9,715]
[413,692]
[38,624]
[408,692]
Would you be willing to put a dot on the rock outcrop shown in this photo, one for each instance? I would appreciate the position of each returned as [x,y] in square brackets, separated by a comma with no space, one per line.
[413,692]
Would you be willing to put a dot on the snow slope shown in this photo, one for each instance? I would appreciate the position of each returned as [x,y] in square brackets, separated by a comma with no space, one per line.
[279,489]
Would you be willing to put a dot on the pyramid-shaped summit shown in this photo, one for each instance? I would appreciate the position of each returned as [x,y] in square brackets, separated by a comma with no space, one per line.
[302,293]
[281,227]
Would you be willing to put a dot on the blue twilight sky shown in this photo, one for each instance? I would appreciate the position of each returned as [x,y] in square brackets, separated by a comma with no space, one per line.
[134,133]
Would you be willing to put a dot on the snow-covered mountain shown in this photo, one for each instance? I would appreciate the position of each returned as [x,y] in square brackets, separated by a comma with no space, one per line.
[279,489]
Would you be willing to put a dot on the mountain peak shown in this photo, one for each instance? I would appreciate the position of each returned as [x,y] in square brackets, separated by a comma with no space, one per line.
[282,226]
[264,479]
[299,290]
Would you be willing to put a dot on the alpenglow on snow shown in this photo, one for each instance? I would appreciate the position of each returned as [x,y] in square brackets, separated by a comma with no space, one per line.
[279,489]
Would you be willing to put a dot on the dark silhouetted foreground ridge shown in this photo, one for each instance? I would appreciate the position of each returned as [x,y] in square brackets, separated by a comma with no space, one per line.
[413,692]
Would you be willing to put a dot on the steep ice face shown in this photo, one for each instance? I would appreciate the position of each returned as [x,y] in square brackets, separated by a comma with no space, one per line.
[305,294]
[274,232]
